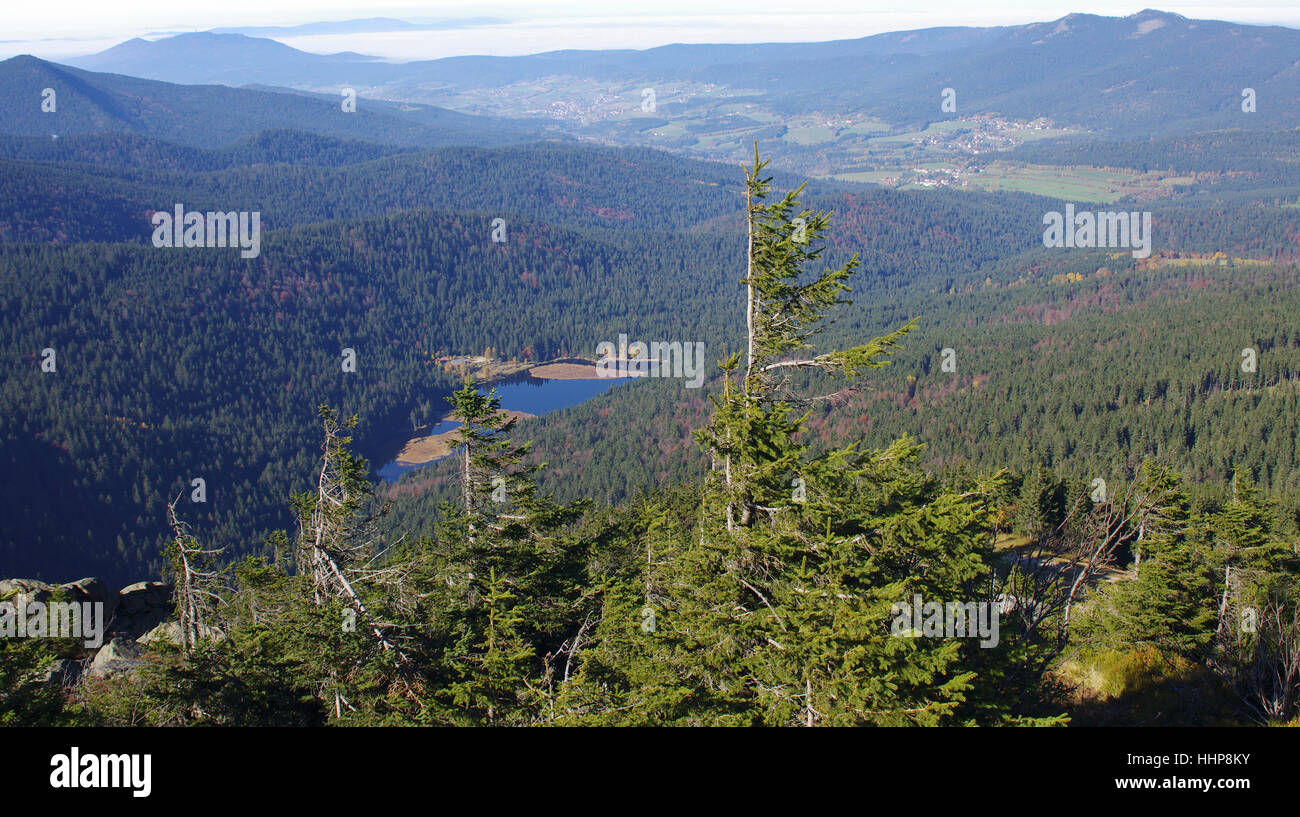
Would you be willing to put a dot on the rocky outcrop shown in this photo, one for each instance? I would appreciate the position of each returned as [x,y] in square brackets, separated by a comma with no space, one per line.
[118,657]
[169,632]
[141,607]
[136,615]
[26,591]
[23,591]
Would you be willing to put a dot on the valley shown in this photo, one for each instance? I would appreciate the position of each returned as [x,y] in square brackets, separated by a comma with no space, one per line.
[941,323]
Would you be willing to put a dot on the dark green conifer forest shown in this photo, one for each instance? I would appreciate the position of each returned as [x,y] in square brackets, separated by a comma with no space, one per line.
[934,471]
[758,586]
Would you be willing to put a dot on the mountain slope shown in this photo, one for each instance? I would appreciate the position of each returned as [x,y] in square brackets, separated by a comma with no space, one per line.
[215,115]
[204,57]
[200,364]
[46,197]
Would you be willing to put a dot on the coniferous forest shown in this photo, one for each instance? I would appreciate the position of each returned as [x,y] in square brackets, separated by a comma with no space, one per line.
[934,470]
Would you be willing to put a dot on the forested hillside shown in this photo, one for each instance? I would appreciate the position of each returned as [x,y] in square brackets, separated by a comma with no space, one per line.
[295,177]
[1085,377]
[653,258]
[905,393]
[213,115]
[215,364]
[724,597]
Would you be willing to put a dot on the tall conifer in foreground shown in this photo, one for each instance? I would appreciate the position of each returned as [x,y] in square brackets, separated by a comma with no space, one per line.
[507,574]
[774,607]
[785,309]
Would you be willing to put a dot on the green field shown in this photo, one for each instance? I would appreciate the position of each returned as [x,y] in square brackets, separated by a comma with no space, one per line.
[1077,184]
[670,131]
[869,126]
[1070,183]
[810,135]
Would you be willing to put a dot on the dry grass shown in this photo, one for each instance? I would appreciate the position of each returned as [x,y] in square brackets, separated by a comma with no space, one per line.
[421,450]
[565,371]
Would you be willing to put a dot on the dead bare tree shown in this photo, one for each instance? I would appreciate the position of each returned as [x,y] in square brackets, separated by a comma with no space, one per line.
[1274,679]
[1047,581]
[198,588]
[338,544]
[1262,662]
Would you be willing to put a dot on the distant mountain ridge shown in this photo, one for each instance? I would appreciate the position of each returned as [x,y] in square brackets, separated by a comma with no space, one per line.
[368,25]
[204,57]
[1150,73]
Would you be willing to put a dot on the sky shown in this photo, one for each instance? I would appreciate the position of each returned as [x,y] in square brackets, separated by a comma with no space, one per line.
[65,28]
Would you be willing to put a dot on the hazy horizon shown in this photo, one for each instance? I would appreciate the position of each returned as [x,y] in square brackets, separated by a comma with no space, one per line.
[531,34]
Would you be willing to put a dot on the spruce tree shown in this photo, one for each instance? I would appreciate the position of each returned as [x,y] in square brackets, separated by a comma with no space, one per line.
[1169,603]
[506,572]
[340,552]
[493,677]
[775,605]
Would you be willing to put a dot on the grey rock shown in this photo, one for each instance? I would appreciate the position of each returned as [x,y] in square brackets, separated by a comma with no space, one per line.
[64,672]
[25,591]
[142,607]
[143,596]
[169,632]
[93,590]
[129,614]
[118,657]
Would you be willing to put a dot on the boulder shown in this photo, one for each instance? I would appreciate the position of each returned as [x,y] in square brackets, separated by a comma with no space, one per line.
[64,672]
[169,632]
[143,596]
[118,657]
[93,590]
[25,591]
[141,607]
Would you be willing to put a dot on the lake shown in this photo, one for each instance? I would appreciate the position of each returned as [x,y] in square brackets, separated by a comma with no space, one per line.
[530,395]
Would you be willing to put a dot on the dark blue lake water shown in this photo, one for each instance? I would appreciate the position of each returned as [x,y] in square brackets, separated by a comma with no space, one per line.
[531,396]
